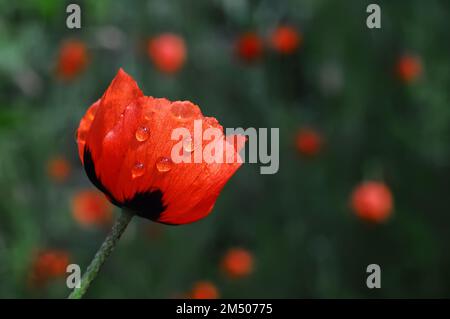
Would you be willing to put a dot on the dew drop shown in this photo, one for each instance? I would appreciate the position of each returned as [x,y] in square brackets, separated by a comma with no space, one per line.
[142,133]
[137,170]
[182,110]
[164,164]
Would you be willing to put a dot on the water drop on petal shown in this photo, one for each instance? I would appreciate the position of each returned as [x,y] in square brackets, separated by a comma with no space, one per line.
[137,170]
[164,164]
[182,110]
[142,133]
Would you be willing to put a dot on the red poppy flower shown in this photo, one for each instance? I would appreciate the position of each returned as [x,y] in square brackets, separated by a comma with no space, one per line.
[249,47]
[286,39]
[308,142]
[168,52]
[125,144]
[237,263]
[372,201]
[204,290]
[91,208]
[409,68]
[47,265]
[72,59]
[58,168]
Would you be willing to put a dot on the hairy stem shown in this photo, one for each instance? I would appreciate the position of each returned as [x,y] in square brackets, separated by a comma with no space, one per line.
[105,249]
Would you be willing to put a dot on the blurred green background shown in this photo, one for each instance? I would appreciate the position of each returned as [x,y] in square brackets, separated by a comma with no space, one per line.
[297,224]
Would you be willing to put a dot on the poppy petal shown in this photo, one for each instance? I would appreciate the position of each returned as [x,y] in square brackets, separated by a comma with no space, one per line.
[128,154]
[83,128]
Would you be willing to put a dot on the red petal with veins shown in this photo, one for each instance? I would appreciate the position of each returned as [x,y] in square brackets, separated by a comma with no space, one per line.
[125,143]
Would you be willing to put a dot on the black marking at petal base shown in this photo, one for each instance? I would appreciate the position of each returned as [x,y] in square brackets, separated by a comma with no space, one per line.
[146,205]
[89,167]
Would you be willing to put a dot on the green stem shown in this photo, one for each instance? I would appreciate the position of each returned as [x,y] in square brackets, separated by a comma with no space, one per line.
[105,249]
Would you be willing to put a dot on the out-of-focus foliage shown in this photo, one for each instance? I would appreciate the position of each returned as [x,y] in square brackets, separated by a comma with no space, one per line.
[297,224]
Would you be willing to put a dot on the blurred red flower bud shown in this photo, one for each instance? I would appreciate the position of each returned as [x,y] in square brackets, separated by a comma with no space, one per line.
[237,263]
[308,142]
[47,265]
[372,201]
[249,47]
[72,59]
[58,168]
[167,52]
[409,68]
[125,144]
[91,208]
[285,39]
[204,290]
